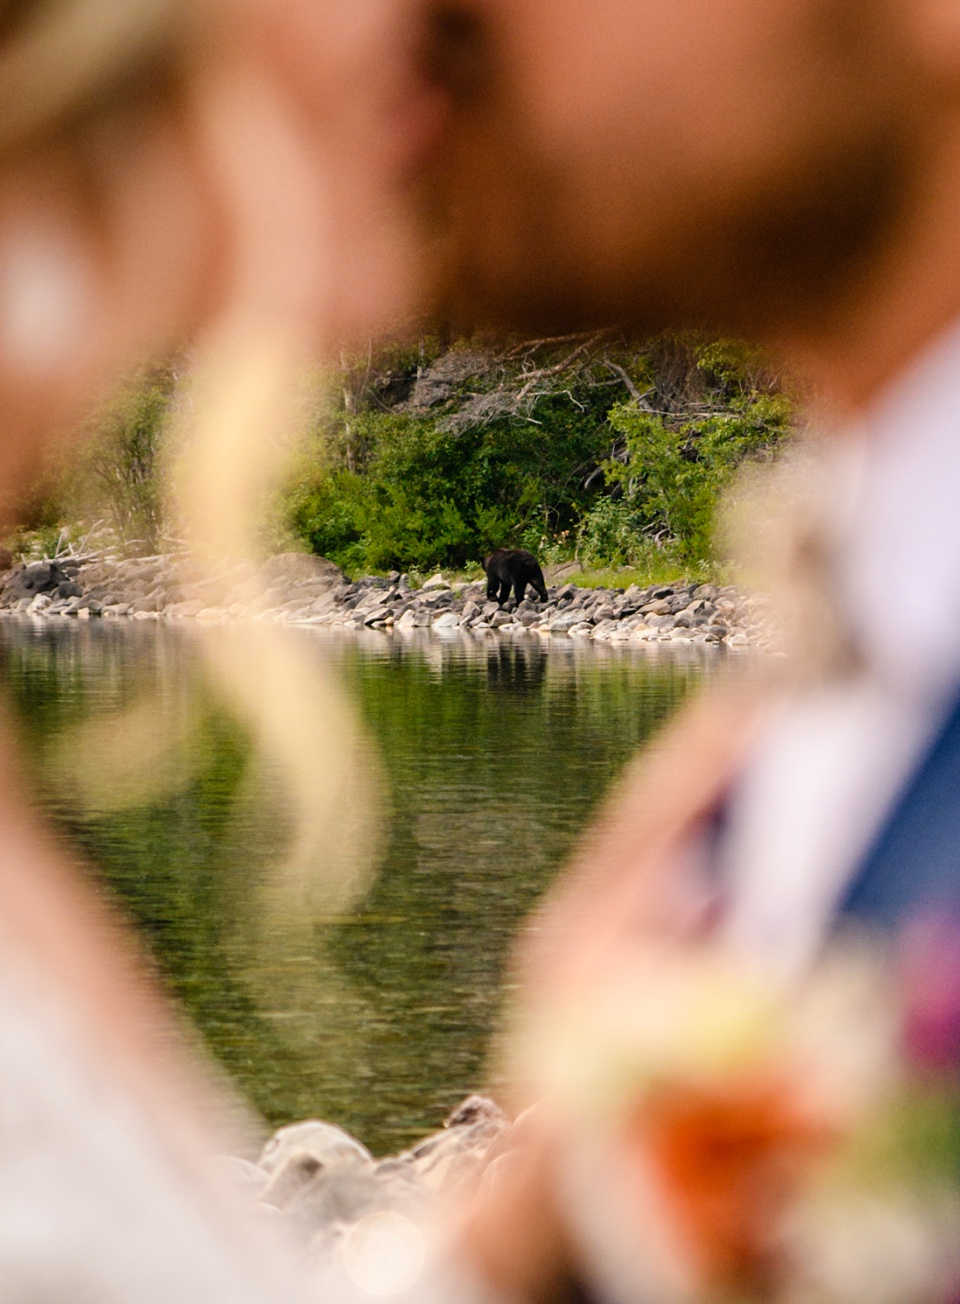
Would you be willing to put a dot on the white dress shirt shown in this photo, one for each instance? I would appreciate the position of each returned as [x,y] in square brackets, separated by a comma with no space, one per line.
[836,754]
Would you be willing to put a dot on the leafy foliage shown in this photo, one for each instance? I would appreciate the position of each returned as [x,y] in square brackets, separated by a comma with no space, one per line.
[431,457]
[429,493]
[119,472]
[430,454]
[672,477]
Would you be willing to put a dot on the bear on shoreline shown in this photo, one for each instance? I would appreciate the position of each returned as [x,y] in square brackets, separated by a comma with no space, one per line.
[514,568]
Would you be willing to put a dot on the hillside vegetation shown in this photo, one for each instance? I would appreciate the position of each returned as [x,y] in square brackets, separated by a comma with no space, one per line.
[575,447]
[429,455]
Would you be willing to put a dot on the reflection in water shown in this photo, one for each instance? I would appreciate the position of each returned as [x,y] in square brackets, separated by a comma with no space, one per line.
[517,667]
[495,754]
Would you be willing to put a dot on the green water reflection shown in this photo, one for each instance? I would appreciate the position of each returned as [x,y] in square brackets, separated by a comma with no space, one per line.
[494,756]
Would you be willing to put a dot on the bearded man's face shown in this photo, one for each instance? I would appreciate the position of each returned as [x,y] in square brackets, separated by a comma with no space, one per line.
[725,163]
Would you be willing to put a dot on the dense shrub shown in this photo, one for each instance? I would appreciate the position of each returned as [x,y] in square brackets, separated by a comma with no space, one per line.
[612,452]
[673,479]
[432,455]
[429,495]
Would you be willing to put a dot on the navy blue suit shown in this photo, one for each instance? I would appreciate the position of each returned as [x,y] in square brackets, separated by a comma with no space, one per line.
[913,863]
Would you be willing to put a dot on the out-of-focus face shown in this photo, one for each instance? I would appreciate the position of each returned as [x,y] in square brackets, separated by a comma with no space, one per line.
[715,162]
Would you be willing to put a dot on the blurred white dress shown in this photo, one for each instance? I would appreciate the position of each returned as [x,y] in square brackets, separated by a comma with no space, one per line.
[94,1205]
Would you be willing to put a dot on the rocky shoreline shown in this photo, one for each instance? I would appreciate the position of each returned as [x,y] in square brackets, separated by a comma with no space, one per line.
[316,1184]
[299,589]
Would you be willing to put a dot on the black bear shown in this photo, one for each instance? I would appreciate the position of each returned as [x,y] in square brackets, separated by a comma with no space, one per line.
[513,568]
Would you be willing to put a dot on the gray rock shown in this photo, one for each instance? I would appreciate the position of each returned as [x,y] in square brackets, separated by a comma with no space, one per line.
[560,624]
[448,620]
[343,1194]
[446,1159]
[436,582]
[323,1141]
[180,610]
[286,566]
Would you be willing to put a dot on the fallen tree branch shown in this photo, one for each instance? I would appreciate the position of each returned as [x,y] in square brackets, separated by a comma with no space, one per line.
[638,398]
[531,346]
[544,372]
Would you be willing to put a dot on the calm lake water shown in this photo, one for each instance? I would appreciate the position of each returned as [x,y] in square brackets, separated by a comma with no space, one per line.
[493,756]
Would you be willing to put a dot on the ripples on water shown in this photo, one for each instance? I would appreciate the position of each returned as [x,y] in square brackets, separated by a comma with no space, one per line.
[494,755]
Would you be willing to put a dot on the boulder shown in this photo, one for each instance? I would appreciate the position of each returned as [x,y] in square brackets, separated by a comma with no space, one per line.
[444,1160]
[181,610]
[291,566]
[324,1142]
[560,624]
[34,577]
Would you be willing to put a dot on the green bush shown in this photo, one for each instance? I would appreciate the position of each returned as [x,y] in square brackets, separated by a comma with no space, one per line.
[673,475]
[432,455]
[611,534]
[429,496]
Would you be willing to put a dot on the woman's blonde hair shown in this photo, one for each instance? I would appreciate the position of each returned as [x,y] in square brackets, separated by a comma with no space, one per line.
[61,60]
[67,63]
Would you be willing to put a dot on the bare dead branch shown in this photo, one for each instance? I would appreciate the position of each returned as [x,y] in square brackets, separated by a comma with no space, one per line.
[544,372]
[638,398]
[531,346]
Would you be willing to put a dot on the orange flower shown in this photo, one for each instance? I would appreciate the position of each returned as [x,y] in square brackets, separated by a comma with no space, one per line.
[730,1161]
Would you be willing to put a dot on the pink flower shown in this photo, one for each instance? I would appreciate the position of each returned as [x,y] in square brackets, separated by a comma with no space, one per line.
[929,967]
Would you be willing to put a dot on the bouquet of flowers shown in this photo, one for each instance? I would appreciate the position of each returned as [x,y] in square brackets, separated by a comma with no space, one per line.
[731,1136]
